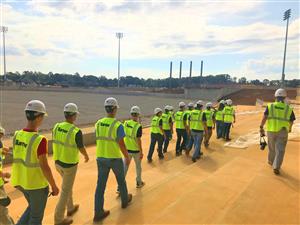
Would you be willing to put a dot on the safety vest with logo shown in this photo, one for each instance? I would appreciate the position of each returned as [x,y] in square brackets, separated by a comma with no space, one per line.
[228,113]
[1,166]
[179,120]
[279,115]
[106,138]
[131,128]
[196,120]
[166,121]
[219,115]
[26,170]
[209,117]
[155,129]
[64,143]
[188,113]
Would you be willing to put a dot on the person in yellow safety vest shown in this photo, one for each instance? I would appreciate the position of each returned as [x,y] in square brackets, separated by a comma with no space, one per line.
[110,149]
[167,127]
[182,129]
[157,134]
[4,199]
[67,143]
[189,136]
[228,118]
[30,170]
[279,117]
[210,122]
[172,112]
[219,119]
[198,127]
[133,141]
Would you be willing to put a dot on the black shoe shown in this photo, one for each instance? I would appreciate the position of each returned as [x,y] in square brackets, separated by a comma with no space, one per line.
[129,200]
[72,212]
[276,171]
[177,154]
[140,185]
[165,151]
[161,157]
[228,139]
[150,160]
[100,217]
[194,159]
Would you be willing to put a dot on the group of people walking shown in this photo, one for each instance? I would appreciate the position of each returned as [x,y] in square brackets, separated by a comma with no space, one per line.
[116,144]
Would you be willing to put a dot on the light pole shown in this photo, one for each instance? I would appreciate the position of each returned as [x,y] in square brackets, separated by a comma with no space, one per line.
[119,36]
[286,16]
[4,30]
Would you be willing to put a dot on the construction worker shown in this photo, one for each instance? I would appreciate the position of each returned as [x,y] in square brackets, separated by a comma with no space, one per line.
[198,127]
[157,134]
[219,119]
[110,149]
[181,128]
[172,112]
[30,170]
[280,118]
[133,142]
[167,127]
[67,143]
[188,112]
[4,199]
[228,118]
[210,122]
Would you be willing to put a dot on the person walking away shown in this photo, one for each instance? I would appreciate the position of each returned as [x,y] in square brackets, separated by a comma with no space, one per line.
[157,134]
[210,122]
[4,199]
[228,118]
[133,143]
[110,148]
[219,119]
[198,127]
[167,127]
[279,117]
[181,129]
[67,143]
[189,136]
[30,169]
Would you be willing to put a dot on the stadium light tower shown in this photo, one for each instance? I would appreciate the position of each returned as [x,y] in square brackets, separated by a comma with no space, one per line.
[119,36]
[4,30]
[286,16]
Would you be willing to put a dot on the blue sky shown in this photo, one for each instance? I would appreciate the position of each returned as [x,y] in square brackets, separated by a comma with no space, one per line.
[241,38]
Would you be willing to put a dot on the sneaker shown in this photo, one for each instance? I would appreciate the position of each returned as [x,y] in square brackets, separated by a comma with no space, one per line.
[140,185]
[99,217]
[276,171]
[129,200]
[66,221]
[161,157]
[73,211]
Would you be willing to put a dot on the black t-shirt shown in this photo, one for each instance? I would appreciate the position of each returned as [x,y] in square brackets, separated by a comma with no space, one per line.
[292,117]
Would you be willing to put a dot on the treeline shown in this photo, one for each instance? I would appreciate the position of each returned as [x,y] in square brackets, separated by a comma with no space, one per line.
[76,80]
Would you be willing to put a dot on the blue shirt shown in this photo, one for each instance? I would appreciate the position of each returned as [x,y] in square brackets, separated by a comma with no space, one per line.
[120,132]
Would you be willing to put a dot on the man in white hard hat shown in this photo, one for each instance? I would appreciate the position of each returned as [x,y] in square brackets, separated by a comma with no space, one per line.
[210,122]
[157,134]
[31,173]
[133,142]
[219,119]
[228,118]
[190,108]
[4,199]
[167,127]
[280,118]
[182,129]
[110,150]
[67,143]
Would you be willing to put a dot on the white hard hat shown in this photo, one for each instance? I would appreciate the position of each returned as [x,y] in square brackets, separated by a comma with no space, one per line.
[229,102]
[71,107]
[222,101]
[111,102]
[171,108]
[181,104]
[209,104]
[191,104]
[200,102]
[135,109]
[280,93]
[2,130]
[167,107]
[36,106]
[157,110]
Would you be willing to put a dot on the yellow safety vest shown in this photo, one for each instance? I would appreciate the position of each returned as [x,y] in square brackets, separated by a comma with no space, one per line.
[228,112]
[64,143]
[179,120]
[278,116]
[26,170]
[166,121]
[209,117]
[1,166]
[155,129]
[131,127]
[219,115]
[196,120]
[106,138]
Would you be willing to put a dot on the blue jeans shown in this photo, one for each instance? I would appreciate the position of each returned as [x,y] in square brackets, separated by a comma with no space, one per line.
[34,212]
[181,134]
[226,130]
[104,166]
[198,138]
[191,142]
[159,139]
[167,140]
[219,127]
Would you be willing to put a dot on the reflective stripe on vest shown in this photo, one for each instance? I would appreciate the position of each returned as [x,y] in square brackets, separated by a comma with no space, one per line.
[166,121]
[219,115]
[109,138]
[196,120]
[209,117]
[155,128]
[278,116]
[131,127]
[179,120]
[228,114]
